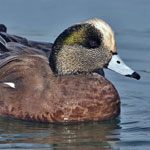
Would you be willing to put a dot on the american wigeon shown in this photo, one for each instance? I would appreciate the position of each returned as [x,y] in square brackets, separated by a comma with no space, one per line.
[65,86]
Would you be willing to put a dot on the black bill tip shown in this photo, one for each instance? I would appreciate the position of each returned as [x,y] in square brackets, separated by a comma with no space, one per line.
[134,75]
[3,28]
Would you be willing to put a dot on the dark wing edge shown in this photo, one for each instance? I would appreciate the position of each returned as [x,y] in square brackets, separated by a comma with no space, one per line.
[22,43]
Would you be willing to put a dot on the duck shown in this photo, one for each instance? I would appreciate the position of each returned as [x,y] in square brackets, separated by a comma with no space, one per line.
[63,82]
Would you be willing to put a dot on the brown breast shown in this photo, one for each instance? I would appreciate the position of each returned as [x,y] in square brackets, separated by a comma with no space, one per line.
[40,96]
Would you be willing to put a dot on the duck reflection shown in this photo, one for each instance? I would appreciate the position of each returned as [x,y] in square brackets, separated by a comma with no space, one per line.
[97,135]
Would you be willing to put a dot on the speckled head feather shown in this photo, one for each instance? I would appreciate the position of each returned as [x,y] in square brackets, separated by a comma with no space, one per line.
[83,47]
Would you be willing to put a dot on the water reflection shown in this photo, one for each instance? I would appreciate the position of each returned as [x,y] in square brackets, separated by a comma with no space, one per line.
[21,134]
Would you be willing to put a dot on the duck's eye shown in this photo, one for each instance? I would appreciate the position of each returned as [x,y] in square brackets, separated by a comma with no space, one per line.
[93,44]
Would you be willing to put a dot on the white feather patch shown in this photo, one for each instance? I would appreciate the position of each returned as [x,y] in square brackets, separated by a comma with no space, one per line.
[12,85]
[65,119]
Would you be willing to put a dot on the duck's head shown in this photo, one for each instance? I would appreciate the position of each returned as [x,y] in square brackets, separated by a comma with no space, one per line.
[3,28]
[87,47]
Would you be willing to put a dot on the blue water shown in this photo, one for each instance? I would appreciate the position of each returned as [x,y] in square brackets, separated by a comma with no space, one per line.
[43,20]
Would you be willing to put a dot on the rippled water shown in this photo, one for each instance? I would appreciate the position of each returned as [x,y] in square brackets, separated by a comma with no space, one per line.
[43,20]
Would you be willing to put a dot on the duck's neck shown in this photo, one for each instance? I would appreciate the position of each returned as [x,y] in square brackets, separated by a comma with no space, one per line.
[71,60]
[66,61]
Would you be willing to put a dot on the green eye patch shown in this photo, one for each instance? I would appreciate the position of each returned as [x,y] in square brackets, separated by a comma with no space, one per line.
[84,35]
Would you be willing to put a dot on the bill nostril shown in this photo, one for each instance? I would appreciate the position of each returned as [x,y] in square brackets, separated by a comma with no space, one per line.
[118,61]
